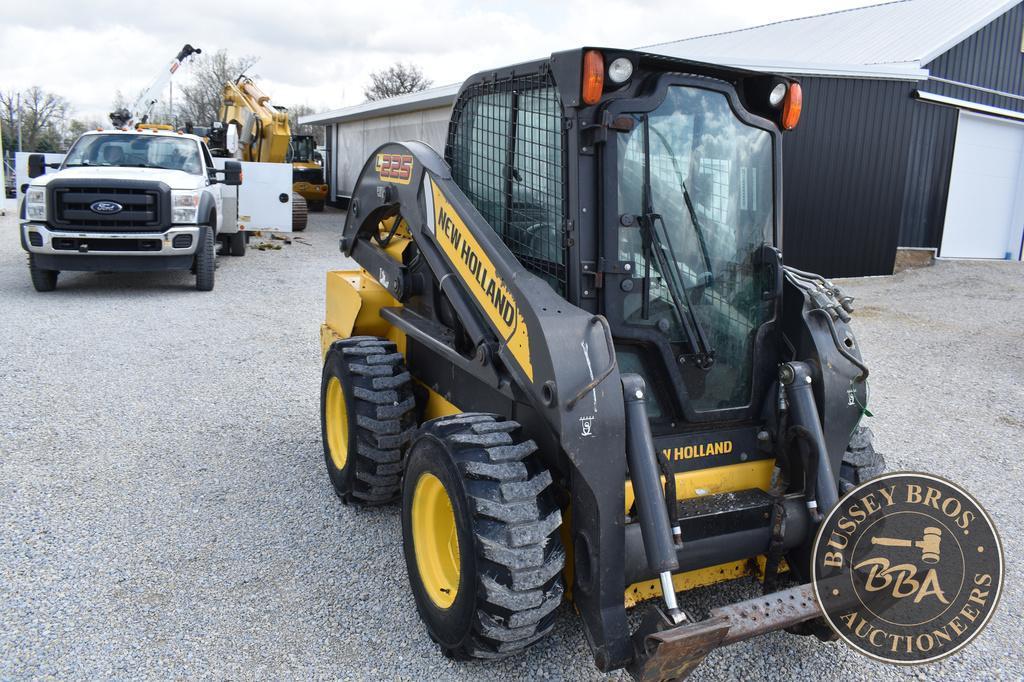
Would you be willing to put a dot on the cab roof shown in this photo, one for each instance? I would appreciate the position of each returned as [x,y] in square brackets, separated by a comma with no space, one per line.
[142,131]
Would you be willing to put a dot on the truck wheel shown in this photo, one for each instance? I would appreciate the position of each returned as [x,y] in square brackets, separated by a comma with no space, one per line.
[480,532]
[316,206]
[300,212]
[42,280]
[367,416]
[236,244]
[206,259]
[861,462]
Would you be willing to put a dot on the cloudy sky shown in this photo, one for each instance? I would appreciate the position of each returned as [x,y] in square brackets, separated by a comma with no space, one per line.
[321,52]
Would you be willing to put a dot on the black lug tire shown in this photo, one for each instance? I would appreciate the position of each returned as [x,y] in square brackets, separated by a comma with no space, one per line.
[42,280]
[861,462]
[315,206]
[206,259]
[236,244]
[381,413]
[300,212]
[510,584]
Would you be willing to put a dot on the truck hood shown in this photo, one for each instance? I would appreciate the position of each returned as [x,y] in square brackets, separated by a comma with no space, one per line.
[174,179]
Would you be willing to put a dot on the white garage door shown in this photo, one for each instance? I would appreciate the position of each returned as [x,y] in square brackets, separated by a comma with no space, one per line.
[984,208]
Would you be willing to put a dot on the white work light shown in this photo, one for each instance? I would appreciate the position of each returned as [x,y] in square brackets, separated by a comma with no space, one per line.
[777,94]
[620,70]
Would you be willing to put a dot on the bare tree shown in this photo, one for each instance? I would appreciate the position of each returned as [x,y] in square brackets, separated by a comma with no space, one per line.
[43,117]
[397,79]
[198,101]
[317,131]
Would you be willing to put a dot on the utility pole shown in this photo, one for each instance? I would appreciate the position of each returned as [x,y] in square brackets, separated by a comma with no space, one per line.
[18,106]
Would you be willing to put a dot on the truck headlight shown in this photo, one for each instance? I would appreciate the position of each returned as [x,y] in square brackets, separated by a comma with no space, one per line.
[184,206]
[35,204]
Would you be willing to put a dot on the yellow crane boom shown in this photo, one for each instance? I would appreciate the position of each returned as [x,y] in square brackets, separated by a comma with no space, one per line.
[263,129]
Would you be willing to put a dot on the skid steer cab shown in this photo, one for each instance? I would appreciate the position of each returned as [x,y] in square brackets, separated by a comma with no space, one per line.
[573,354]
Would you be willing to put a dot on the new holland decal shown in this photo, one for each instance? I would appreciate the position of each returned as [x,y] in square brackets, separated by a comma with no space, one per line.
[722,447]
[481,279]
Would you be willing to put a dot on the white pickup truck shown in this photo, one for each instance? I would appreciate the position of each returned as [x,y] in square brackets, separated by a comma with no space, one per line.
[130,200]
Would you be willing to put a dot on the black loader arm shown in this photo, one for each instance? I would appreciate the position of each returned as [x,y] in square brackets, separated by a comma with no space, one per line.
[553,357]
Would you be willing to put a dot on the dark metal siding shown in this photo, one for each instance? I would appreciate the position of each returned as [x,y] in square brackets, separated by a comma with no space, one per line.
[990,58]
[844,173]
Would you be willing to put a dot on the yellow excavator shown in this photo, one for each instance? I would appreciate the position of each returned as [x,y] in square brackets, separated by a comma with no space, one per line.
[263,134]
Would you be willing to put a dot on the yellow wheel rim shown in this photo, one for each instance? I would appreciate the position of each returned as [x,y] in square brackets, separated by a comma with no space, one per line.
[336,416]
[435,540]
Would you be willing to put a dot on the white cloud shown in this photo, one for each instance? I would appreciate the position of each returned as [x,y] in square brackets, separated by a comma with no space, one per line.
[322,52]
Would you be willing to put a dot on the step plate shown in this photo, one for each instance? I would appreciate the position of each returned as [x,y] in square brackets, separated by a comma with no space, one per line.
[713,515]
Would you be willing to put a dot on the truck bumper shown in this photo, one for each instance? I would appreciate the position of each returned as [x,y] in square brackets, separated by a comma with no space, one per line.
[110,251]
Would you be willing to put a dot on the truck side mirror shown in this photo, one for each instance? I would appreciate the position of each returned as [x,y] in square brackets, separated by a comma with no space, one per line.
[232,173]
[36,165]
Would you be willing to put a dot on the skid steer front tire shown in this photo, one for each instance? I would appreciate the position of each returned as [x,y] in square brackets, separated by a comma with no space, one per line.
[861,462]
[367,417]
[480,531]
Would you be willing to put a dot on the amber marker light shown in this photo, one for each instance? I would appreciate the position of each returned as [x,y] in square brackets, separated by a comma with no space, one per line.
[792,106]
[593,77]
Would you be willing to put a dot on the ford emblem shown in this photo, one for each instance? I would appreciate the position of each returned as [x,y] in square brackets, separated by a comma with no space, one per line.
[106,207]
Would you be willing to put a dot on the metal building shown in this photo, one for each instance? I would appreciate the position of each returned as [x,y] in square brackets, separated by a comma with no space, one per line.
[354,132]
[912,133]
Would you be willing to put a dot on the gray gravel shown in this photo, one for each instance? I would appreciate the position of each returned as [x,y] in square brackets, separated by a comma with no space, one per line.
[164,510]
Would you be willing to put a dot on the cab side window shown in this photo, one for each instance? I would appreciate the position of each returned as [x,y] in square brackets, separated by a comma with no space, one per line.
[506,152]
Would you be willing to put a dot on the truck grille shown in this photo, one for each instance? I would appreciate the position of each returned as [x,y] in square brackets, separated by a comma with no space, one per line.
[145,205]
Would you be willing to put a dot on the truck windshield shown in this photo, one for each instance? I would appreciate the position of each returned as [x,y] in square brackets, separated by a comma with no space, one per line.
[701,180]
[136,151]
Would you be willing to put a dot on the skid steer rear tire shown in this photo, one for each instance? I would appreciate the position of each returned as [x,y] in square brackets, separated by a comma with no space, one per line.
[367,417]
[480,530]
[861,462]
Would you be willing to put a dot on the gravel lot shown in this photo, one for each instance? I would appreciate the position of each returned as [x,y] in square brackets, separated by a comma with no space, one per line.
[164,510]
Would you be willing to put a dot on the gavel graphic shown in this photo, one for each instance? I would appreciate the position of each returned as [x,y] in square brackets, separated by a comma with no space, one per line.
[928,544]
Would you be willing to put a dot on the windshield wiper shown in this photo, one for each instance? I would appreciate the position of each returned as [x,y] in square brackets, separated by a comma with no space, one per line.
[668,264]
[697,227]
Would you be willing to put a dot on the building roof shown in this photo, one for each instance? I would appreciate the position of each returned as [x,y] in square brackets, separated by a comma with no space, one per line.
[414,101]
[894,40]
[890,40]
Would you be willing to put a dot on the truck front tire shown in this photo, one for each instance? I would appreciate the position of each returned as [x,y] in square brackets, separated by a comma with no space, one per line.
[206,259]
[42,280]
